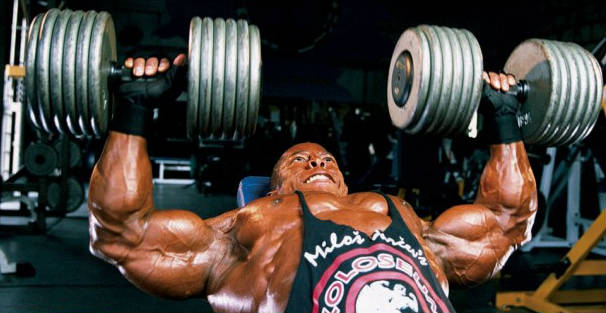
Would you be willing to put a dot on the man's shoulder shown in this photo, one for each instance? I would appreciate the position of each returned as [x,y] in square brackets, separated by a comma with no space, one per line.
[373,195]
[367,198]
[270,201]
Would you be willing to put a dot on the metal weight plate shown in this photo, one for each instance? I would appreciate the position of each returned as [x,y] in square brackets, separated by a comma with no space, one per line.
[560,73]
[588,74]
[73,193]
[476,79]
[218,76]
[457,82]
[205,81]
[43,61]
[73,153]
[440,120]
[40,159]
[579,103]
[561,104]
[532,62]
[193,77]
[406,89]
[573,90]
[230,80]
[30,70]
[242,79]
[69,73]
[56,69]
[424,81]
[435,81]
[84,35]
[592,103]
[254,97]
[102,53]
[596,76]
[466,82]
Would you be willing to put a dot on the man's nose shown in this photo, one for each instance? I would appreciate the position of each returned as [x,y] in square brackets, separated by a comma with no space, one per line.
[316,162]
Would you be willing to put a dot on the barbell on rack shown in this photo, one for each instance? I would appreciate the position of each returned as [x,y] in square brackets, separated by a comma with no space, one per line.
[71,62]
[435,85]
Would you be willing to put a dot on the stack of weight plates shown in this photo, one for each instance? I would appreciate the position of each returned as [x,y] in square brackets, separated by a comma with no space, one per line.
[68,59]
[224,83]
[435,80]
[565,91]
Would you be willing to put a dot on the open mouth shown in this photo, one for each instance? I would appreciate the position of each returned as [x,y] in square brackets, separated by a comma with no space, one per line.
[321,177]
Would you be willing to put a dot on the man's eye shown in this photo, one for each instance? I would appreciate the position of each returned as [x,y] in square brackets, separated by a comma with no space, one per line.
[299,159]
[327,159]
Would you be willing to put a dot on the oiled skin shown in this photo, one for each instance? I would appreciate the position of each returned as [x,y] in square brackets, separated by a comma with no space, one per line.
[245,260]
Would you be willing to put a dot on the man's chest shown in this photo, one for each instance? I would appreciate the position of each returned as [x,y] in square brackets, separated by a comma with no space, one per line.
[363,212]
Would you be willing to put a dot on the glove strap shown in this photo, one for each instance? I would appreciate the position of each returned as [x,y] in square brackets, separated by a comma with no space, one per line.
[504,129]
[133,119]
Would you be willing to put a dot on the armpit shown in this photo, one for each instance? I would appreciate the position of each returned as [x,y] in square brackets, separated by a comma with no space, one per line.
[224,222]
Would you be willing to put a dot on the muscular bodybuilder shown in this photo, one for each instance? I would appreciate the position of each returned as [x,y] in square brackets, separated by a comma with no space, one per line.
[308,246]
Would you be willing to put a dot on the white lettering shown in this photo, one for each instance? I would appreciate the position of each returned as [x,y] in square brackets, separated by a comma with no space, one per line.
[364,264]
[404,267]
[324,250]
[417,254]
[385,260]
[346,277]
[334,310]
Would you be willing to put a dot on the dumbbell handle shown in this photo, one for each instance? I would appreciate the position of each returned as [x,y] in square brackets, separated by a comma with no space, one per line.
[519,90]
[120,73]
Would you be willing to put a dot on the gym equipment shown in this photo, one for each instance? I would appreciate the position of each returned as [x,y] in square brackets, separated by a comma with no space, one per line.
[71,72]
[66,195]
[435,85]
[562,180]
[21,269]
[547,298]
[40,159]
[72,153]
[251,188]
[563,99]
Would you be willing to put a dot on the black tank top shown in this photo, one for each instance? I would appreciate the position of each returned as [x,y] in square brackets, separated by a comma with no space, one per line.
[344,270]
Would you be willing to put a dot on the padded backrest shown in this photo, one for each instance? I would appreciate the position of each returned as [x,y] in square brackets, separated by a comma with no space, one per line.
[251,188]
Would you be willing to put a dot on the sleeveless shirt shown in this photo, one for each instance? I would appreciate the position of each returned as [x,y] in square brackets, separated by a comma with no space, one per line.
[344,270]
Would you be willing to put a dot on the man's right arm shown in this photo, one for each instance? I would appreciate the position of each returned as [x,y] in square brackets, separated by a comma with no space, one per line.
[170,253]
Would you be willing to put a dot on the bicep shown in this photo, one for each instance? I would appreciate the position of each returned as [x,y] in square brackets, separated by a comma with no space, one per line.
[470,242]
[176,254]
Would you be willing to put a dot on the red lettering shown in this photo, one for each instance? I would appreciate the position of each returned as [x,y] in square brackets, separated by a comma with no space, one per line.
[334,294]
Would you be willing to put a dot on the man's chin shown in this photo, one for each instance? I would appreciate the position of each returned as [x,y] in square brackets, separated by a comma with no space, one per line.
[327,188]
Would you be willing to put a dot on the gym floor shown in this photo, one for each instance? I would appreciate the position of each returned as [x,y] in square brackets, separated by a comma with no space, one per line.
[69,279]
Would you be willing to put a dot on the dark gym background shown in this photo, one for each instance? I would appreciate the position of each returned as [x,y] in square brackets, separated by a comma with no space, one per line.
[325,66]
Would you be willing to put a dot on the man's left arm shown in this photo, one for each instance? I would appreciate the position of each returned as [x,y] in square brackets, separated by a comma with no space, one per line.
[474,241]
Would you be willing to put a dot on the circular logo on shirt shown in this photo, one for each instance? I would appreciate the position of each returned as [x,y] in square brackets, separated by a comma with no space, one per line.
[378,278]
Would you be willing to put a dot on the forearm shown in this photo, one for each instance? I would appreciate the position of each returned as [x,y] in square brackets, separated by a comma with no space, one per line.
[120,192]
[508,188]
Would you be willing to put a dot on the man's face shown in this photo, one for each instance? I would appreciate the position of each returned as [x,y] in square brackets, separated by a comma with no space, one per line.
[308,167]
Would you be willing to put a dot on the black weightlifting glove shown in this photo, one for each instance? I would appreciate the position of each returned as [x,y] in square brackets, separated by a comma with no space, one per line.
[500,123]
[138,98]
